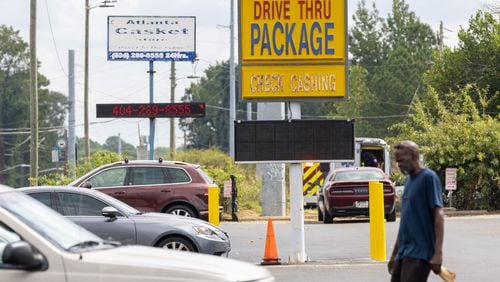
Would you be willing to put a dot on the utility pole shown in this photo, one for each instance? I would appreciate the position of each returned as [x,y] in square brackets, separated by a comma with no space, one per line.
[71,106]
[232,98]
[86,140]
[33,96]
[172,119]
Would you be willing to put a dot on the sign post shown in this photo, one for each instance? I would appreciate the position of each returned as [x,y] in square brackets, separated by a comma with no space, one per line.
[450,182]
[152,38]
[292,51]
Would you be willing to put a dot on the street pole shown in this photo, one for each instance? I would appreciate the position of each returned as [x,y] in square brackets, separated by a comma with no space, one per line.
[86,85]
[232,98]
[33,96]
[71,111]
[172,119]
[86,139]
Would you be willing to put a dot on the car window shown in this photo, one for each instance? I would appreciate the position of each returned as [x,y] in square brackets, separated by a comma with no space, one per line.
[207,178]
[6,236]
[358,175]
[178,175]
[43,197]
[44,221]
[109,178]
[146,175]
[80,205]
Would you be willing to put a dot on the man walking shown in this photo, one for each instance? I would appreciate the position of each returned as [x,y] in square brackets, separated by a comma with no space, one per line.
[419,244]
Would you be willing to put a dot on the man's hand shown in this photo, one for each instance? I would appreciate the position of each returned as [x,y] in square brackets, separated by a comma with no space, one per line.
[390,265]
[436,262]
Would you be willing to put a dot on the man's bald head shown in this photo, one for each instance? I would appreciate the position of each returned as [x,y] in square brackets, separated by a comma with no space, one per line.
[408,157]
[409,147]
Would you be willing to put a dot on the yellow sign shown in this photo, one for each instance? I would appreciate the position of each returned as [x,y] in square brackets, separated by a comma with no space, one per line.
[292,29]
[299,82]
[293,49]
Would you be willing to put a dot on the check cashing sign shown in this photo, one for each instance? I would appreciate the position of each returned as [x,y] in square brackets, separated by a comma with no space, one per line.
[293,49]
[151,38]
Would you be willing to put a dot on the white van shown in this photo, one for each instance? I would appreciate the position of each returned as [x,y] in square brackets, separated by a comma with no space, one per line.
[39,245]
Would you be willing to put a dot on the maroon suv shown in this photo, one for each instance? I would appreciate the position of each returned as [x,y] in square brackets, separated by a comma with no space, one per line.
[345,193]
[153,186]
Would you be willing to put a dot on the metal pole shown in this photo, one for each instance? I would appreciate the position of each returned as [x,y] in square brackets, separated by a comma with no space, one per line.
[151,120]
[232,98]
[86,140]
[71,106]
[298,253]
[172,100]
[33,95]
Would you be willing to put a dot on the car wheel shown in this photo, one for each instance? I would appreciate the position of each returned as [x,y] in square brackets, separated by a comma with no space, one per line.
[177,244]
[320,214]
[181,210]
[391,217]
[327,218]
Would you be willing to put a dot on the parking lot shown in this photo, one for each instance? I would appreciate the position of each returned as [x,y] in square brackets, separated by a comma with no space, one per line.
[340,251]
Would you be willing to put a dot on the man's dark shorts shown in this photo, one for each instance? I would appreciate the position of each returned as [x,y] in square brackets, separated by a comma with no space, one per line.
[410,270]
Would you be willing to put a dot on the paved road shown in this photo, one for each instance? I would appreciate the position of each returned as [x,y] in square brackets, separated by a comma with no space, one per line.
[340,251]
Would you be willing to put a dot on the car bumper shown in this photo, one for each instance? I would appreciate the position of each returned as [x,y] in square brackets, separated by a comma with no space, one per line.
[207,245]
[352,211]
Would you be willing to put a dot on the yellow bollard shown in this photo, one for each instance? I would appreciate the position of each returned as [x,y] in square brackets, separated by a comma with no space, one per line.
[377,225]
[213,205]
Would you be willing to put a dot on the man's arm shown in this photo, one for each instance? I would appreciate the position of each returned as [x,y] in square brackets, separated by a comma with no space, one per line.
[437,259]
[392,260]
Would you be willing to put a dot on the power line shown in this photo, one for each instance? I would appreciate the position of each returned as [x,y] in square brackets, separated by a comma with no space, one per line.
[53,39]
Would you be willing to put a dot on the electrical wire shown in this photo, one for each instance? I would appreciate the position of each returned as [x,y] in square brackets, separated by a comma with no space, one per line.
[54,40]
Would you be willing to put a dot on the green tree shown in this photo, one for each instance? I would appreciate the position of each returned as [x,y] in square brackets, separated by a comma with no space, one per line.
[476,59]
[213,129]
[14,105]
[453,132]
[359,105]
[396,53]
[128,150]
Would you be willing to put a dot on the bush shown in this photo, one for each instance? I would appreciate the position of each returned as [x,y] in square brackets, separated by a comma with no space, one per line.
[219,166]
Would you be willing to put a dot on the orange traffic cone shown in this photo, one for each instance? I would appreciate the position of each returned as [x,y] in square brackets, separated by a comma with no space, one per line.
[270,252]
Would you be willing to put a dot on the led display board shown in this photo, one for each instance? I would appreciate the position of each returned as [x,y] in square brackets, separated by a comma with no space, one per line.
[293,141]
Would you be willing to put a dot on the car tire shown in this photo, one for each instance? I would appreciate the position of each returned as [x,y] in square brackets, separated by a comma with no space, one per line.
[391,217]
[177,243]
[320,214]
[181,210]
[327,218]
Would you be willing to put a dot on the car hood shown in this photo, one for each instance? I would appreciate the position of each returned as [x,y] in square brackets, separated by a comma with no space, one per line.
[151,264]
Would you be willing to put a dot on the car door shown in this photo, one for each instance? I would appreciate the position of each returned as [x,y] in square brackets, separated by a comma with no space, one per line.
[85,211]
[148,188]
[53,273]
[111,181]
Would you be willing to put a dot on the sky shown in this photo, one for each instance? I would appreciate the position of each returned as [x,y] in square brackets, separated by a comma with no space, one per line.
[61,26]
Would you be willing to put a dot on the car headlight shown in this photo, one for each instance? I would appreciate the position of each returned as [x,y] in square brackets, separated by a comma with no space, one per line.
[204,230]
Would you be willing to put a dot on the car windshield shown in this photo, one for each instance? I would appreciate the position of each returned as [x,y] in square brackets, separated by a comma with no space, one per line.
[358,175]
[60,231]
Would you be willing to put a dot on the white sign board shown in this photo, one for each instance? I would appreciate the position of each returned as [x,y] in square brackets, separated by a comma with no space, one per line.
[227,188]
[151,38]
[451,179]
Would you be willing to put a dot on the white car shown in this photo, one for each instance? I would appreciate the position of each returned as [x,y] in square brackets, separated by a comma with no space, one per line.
[39,245]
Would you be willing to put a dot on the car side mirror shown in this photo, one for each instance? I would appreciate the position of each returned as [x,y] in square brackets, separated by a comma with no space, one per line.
[21,254]
[87,184]
[110,212]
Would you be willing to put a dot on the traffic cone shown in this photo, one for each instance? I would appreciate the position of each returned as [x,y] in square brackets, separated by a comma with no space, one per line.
[270,252]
